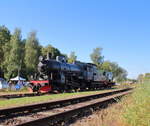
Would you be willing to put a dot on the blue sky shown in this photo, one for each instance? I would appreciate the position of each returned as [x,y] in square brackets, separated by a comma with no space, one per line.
[120,27]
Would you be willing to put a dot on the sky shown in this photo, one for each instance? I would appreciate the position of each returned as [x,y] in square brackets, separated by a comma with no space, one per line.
[120,27]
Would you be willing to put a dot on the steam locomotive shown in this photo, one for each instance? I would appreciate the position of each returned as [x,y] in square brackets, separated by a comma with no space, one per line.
[64,77]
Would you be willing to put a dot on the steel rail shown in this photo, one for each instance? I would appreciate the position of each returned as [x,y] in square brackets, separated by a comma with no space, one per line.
[65,116]
[53,104]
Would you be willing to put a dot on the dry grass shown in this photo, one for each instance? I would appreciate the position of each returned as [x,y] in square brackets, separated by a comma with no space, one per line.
[132,110]
[111,116]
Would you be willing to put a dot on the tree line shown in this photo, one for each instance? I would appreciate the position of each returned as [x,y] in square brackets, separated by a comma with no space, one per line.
[143,77]
[119,73]
[19,55]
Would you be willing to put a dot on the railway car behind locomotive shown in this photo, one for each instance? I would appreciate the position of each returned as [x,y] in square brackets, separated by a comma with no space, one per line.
[62,76]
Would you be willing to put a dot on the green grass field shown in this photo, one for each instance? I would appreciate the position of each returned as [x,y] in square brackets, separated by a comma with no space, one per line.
[137,111]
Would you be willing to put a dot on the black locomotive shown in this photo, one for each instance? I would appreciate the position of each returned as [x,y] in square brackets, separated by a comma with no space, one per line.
[62,76]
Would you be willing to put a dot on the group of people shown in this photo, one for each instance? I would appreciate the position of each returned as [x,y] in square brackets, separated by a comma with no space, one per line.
[16,85]
[12,84]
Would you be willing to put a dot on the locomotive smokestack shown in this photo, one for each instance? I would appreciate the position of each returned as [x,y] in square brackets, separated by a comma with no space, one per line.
[49,56]
[41,58]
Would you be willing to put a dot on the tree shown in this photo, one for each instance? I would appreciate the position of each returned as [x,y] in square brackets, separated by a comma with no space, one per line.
[50,49]
[1,74]
[97,57]
[106,66]
[147,76]
[14,57]
[122,74]
[143,77]
[22,60]
[4,43]
[31,53]
[140,78]
[119,73]
[72,57]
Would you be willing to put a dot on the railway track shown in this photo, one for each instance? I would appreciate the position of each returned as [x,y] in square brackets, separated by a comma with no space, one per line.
[57,112]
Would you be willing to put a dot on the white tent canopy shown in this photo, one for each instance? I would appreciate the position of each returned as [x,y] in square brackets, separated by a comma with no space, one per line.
[18,78]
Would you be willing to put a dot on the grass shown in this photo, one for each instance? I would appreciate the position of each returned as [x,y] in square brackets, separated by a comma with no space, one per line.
[106,117]
[132,110]
[8,91]
[44,98]
[137,113]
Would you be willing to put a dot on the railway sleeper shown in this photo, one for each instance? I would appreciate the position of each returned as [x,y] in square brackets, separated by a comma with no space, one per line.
[83,113]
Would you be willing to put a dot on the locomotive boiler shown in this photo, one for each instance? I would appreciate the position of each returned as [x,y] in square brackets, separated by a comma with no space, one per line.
[62,76]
